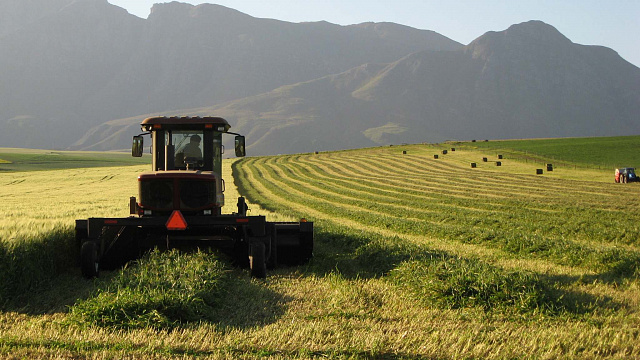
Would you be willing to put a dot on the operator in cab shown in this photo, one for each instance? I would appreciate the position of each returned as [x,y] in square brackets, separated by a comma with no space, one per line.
[192,149]
[190,152]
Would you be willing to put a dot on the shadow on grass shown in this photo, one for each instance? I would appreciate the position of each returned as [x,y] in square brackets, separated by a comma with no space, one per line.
[31,264]
[54,296]
[167,290]
[163,290]
[247,303]
[239,304]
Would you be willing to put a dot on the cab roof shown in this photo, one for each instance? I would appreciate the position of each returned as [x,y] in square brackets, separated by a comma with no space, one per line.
[185,122]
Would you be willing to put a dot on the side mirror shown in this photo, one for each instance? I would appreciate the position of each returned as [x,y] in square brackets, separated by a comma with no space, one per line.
[137,147]
[240,151]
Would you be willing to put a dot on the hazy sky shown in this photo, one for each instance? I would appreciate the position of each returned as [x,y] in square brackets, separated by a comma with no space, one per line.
[611,23]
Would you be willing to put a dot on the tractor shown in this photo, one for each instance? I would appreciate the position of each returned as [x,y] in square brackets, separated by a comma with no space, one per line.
[179,205]
[625,175]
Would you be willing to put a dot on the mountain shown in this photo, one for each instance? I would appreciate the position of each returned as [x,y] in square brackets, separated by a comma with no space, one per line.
[17,14]
[67,66]
[56,69]
[525,82]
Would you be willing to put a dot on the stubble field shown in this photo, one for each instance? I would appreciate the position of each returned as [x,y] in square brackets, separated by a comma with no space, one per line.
[415,257]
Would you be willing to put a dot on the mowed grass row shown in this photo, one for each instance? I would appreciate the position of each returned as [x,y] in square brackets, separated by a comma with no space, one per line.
[536,198]
[533,246]
[420,203]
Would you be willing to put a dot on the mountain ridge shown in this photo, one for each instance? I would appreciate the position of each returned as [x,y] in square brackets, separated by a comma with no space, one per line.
[89,66]
[85,62]
[486,90]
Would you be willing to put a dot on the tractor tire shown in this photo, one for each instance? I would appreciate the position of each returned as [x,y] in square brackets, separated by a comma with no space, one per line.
[257,261]
[272,259]
[89,259]
[624,179]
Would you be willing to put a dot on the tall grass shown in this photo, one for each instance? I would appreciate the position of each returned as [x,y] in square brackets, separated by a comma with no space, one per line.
[29,262]
[158,291]
[455,283]
[37,237]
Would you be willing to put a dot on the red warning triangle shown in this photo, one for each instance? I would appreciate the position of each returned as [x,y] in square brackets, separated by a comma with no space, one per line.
[176,221]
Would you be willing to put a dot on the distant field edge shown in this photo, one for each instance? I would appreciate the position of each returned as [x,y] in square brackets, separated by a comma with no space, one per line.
[596,152]
[18,160]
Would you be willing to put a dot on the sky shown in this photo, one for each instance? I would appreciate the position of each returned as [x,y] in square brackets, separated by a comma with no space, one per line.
[611,23]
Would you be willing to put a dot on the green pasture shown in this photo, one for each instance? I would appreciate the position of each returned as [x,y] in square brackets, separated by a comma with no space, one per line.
[415,257]
[18,160]
[598,152]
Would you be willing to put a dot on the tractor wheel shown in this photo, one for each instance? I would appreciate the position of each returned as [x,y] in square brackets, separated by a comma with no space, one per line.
[89,259]
[257,261]
[624,179]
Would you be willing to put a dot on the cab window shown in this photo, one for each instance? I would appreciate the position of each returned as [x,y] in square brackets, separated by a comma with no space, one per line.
[188,149]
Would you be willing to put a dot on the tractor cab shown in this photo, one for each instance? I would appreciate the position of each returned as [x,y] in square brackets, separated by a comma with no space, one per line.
[186,143]
[186,165]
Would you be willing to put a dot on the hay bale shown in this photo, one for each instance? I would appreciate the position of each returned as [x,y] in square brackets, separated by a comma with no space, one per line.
[484,159]
[444,152]
[435,156]
[499,156]
[453,149]
[404,152]
[549,167]
[498,163]
[538,171]
[473,165]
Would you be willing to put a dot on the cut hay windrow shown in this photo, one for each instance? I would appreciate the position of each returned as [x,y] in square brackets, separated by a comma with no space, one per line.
[534,214]
[563,242]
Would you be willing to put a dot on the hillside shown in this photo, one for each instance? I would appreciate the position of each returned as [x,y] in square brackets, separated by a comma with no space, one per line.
[16,14]
[528,81]
[67,66]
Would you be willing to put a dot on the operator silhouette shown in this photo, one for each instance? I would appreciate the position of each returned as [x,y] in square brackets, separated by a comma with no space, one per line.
[192,149]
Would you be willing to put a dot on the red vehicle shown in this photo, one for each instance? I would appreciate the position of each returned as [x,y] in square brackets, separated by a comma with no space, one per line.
[179,206]
[625,175]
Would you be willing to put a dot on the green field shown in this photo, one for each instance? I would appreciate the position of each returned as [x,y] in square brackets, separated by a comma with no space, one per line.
[415,257]
[16,160]
[602,152]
